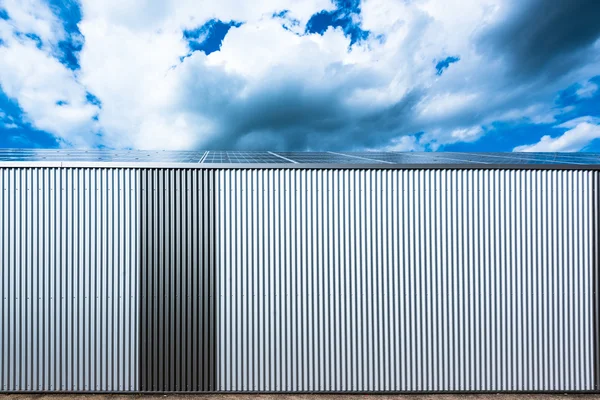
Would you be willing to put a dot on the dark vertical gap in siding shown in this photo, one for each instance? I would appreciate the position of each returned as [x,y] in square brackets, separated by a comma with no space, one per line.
[144,337]
[204,293]
[212,326]
[169,343]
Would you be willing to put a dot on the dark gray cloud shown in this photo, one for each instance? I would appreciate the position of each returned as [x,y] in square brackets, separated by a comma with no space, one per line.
[292,117]
[293,114]
[542,37]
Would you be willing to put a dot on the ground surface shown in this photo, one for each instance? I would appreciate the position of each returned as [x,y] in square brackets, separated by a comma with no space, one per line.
[305,397]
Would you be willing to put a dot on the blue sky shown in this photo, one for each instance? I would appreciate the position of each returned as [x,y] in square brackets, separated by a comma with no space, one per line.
[427,75]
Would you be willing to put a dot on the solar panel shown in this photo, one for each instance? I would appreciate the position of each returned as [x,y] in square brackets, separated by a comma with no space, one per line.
[100,155]
[427,158]
[382,157]
[532,158]
[242,157]
[299,157]
[325,158]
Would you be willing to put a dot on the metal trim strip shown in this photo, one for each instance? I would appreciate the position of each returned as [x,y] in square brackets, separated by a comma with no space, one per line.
[146,165]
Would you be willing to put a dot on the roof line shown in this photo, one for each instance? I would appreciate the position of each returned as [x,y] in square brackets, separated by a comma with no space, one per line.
[285,158]
[179,165]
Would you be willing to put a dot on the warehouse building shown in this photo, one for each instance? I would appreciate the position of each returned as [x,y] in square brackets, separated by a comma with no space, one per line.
[298,272]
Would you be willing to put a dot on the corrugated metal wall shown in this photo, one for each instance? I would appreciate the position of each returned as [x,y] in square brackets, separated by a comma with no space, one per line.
[406,280]
[69,279]
[178,313]
[298,279]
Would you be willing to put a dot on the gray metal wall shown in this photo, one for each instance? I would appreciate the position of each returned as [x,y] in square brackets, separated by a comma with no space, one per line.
[307,279]
[409,280]
[178,281]
[69,279]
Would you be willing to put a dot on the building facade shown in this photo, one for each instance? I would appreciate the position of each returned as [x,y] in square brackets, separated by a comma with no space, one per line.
[299,277]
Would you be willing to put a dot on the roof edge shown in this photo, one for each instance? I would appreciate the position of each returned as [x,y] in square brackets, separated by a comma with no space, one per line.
[163,165]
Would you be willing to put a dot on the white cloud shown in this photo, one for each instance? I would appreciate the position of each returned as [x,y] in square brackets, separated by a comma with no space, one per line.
[9,125]
[269,87]
[131,73]
[436,138]
[152,15]
[38,81]
[576,121]
[33,16]
[466,134]
[404,143]
[582,131]
[6,121]
[587,90]
[146,90]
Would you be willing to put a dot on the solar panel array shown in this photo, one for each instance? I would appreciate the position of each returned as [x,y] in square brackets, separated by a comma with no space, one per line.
[237,157]
[100,155]
[268,157]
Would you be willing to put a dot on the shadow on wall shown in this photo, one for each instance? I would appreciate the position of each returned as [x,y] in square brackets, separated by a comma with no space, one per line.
[177,264]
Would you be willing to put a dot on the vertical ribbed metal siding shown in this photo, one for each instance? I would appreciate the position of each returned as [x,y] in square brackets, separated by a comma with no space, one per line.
[325,280]
[406,280]
[178,313]
[69,278]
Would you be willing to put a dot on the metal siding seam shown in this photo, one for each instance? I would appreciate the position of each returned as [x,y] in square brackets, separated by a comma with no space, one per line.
[212,304]
[584,254]
[187,297]
[236,282]
[586,246]
[171,271]
[582,283]
[142,249]
[579,282]
[533,251]
[18,326]
[595,260]
[193,293]
[148,251]
[232,283]
[589,301]
[372,272]
[219,342]
[543,282]
[573,290]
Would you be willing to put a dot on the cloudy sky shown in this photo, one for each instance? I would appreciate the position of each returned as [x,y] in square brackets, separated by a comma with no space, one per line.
[434,75]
